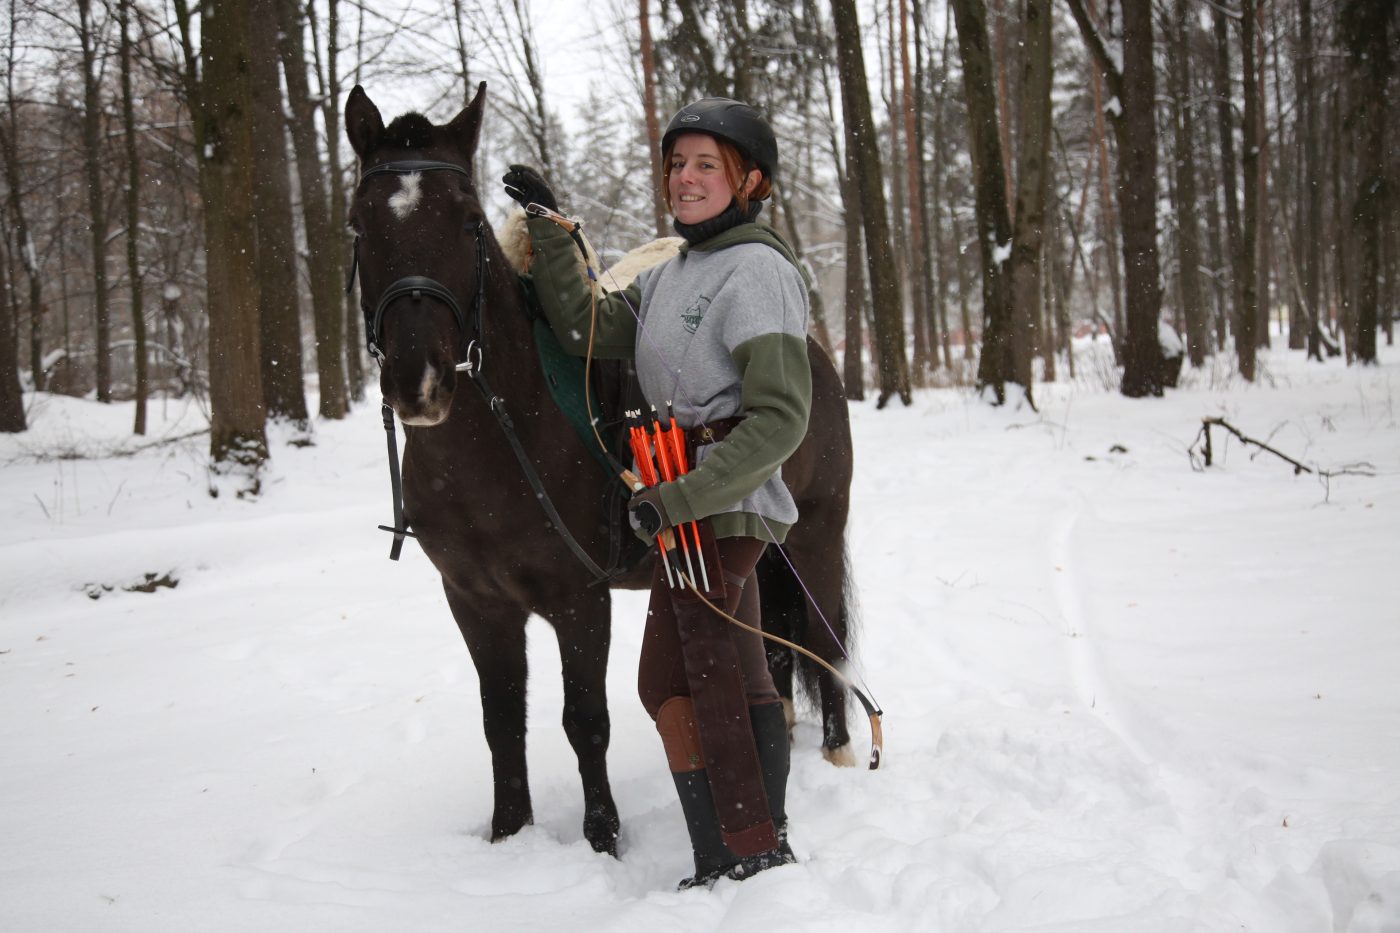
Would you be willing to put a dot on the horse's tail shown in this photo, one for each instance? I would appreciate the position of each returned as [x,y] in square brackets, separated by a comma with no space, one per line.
[788,611]
[837,644]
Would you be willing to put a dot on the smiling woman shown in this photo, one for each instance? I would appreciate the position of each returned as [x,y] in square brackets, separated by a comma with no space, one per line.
[718,338]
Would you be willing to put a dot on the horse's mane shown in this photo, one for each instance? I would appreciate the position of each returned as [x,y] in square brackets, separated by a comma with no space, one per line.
[410,131]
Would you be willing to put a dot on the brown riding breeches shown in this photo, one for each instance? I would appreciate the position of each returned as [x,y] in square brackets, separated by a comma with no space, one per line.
[661,671]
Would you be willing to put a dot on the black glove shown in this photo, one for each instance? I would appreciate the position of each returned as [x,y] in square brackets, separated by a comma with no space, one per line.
[525,186]
[650,513]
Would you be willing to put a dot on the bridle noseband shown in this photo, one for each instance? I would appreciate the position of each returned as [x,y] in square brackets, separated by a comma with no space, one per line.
[418,287]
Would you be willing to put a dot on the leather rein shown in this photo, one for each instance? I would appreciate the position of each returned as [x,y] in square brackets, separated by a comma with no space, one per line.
[420,287]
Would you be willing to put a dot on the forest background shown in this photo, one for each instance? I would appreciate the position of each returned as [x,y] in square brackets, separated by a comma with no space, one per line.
[973,183]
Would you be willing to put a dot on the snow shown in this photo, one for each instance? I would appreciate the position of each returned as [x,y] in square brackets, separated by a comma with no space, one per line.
[1120,693]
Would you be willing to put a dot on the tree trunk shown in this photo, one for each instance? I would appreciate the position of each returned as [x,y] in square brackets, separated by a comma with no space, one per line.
[1247,320]
[24,246]
[653,123]
[1365,28]
[1002,341]
[1225,118]
[913,163]
[1112,243]
[224,143]
[328,78]
[93,160]
[279,307]
[133,217]
[1135,129]
[1032,183]
[1188,227]
[11,392]
[1310,208]
[864,155]
[852,361]
[1263,229]
[324,249]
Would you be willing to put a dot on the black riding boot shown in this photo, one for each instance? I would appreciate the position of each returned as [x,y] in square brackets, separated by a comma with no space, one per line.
[712,856]
[771,735]
[680,737]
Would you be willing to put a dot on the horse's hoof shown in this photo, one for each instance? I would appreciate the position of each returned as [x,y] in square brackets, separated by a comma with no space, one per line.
[841,756]
[505,827]
[601,830]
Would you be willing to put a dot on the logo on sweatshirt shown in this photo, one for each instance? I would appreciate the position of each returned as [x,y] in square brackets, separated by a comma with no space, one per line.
[692,316]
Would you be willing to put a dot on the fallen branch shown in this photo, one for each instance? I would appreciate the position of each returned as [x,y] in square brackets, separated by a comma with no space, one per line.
[73,453]
[1207,455]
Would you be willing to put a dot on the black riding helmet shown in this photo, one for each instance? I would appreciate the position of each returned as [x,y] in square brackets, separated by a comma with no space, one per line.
[733,121]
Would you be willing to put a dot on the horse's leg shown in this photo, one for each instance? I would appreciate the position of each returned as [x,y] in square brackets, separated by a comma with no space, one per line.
[584,632]
[819,561]
[495,636]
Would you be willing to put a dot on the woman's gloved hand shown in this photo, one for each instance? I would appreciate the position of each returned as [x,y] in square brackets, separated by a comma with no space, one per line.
[525,186]
[650,514]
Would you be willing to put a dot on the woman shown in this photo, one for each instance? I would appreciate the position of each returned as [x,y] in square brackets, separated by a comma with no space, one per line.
[719,332]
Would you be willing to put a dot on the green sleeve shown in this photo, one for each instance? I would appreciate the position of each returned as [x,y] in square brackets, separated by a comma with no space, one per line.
[776,402]
[564,295]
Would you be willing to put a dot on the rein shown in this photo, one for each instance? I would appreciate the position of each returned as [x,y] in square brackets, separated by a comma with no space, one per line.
[418,287]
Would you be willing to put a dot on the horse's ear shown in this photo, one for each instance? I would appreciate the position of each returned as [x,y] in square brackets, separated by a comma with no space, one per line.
[465,128]
[363,124]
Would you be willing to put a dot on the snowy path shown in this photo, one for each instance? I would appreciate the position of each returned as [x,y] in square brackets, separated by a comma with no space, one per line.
[1119,694]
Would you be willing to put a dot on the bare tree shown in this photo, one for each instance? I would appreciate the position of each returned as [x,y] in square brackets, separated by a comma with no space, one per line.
[658,204]
[279,307]
[325,268]
[12,419]
[94,158]
[1002,352]
[327,69]
[1366,27]
[224,148]
[1309,181]
[1135,129]
[133,218]
[864,157]
[1188,227]
[23,237]
[1032,184]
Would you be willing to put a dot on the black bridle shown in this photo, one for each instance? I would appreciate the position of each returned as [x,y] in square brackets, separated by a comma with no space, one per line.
[418,287]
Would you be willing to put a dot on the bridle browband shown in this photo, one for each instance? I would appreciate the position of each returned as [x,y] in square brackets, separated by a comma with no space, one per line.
[418,287]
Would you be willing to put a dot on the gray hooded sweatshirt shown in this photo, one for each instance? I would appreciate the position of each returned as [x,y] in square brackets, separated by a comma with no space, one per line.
[722,333]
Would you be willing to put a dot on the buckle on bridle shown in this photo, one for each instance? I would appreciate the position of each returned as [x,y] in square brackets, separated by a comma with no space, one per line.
[472,364]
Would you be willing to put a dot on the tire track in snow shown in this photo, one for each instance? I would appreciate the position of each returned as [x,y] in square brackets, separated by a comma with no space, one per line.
[1086,665]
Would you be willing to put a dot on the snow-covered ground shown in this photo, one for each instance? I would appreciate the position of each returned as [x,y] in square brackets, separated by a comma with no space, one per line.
[1120,693]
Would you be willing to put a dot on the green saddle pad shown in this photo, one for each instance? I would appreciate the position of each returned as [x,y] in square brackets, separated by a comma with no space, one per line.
[564,375]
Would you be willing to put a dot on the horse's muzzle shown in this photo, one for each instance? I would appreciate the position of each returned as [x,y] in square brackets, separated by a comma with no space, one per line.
[423,402]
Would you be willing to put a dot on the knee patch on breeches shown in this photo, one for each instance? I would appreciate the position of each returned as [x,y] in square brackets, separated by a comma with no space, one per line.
[680,735]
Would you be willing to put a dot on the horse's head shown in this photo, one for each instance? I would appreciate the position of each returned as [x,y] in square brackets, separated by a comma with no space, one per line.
[419,241]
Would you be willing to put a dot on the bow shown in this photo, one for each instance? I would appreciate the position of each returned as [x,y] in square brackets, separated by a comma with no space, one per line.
[875,714]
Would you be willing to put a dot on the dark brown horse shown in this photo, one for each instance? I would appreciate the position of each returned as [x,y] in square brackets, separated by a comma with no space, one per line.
[439,297]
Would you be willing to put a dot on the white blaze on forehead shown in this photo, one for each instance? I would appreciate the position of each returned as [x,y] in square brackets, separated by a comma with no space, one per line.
[403,201]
